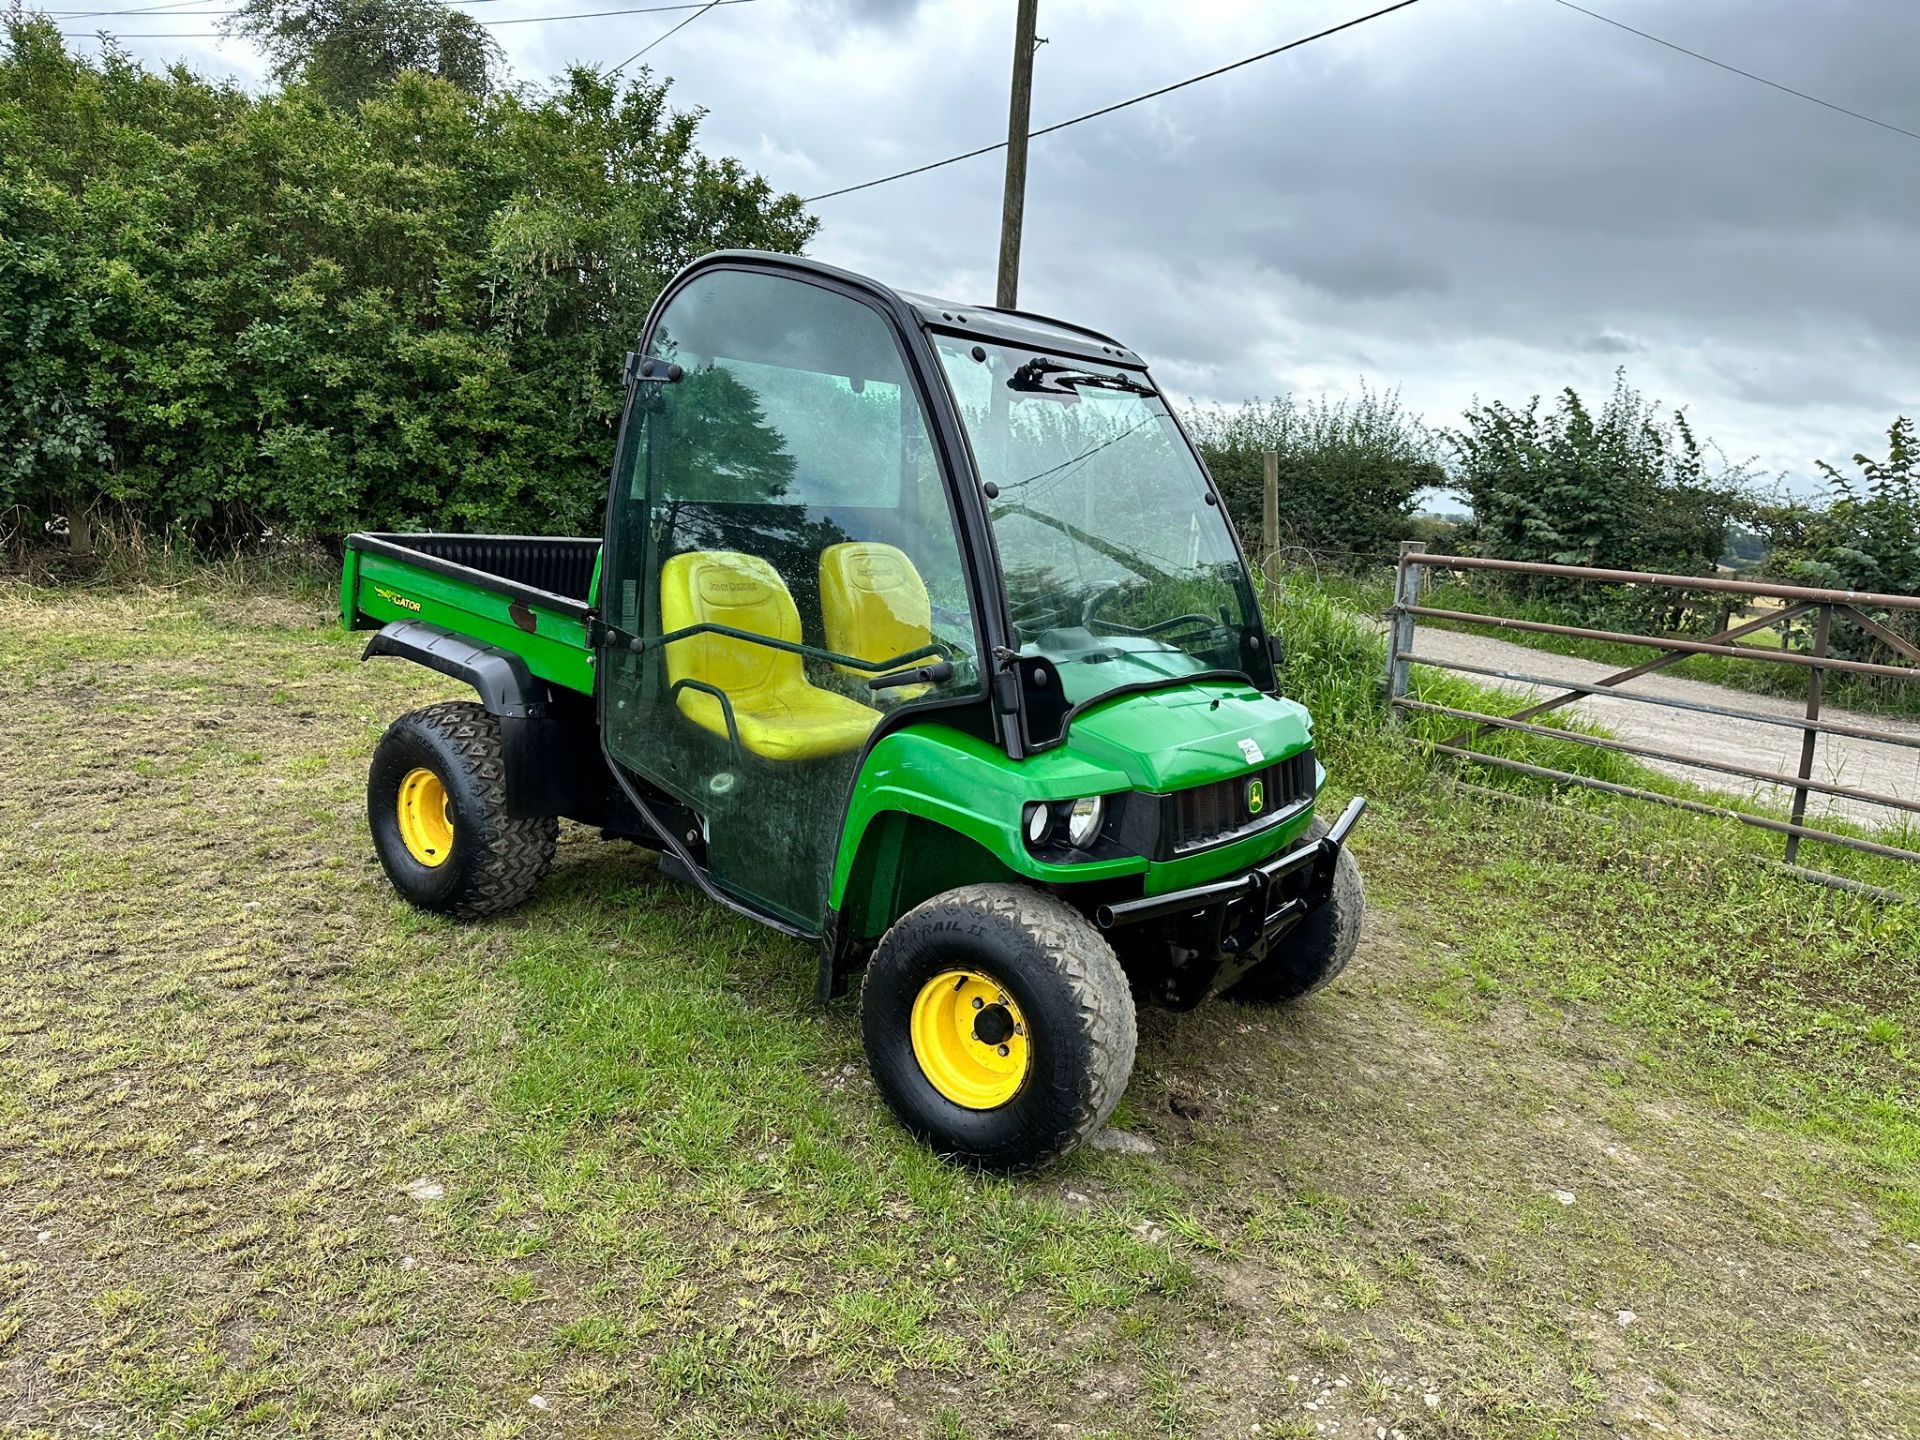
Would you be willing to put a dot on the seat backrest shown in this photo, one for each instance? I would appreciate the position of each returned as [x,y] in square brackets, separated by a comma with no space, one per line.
[873,603]
[724,587]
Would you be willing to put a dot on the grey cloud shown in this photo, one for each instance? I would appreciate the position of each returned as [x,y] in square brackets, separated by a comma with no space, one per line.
[893,13]
[1608,343]
[1492,198]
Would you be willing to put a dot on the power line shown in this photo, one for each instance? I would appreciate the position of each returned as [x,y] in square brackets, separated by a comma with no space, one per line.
[1736,70]
[174,10]
[656,40]
[589,14]
[172,5]
[489,24]
[1120,105]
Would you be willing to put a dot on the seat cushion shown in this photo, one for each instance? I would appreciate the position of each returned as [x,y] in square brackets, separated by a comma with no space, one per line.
[789,727]
[780,714]
[873,602]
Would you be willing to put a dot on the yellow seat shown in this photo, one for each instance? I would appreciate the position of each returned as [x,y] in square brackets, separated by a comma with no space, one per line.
[780,715]
[875,605]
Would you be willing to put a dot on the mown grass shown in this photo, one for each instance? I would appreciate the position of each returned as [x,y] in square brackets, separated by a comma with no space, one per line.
[661,1197]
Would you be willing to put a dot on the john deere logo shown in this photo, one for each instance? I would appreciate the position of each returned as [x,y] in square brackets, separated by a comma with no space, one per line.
[1256,797]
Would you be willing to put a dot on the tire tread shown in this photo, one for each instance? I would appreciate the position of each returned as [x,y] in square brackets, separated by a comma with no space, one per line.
[518,851]
[1102,1000]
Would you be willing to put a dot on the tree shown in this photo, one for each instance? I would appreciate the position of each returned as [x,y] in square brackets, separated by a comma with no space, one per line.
[1350,469]
[1621,488]
[223,314]
[1866,536]
[348,49]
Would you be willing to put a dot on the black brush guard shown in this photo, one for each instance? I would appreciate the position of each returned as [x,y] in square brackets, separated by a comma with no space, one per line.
[1220,930]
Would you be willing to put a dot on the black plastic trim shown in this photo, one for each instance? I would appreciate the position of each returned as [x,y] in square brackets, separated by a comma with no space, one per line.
[1234,837]
[500,678]
[1255,879]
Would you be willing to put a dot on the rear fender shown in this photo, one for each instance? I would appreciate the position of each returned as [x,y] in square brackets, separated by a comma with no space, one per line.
[500,678]
[538,735]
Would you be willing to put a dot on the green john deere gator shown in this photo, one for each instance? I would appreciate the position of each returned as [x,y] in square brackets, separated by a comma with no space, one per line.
[918,630]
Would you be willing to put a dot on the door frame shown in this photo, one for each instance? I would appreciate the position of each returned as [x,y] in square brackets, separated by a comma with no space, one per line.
[976,713]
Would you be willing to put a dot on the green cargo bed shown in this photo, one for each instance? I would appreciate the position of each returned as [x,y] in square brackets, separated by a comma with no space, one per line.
[529,595]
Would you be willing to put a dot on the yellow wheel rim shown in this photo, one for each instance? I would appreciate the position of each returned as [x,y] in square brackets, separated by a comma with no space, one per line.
[971,1040]
[426,822]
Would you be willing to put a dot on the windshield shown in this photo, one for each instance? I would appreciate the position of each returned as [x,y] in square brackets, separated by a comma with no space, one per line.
[1117,568]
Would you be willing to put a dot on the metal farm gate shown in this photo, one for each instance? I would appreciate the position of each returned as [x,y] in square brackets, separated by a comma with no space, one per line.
[1827,607]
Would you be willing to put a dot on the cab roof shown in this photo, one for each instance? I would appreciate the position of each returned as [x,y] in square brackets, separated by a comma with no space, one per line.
[1018,327]
[1022,328]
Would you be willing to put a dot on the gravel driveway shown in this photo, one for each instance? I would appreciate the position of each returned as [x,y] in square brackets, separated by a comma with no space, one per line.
[1840,760]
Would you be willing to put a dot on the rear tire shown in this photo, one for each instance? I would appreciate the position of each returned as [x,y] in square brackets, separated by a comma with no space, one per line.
[437,806]
[998,1025]
[1318,948]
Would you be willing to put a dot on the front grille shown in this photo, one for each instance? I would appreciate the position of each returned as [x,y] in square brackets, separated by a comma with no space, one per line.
[1209,813]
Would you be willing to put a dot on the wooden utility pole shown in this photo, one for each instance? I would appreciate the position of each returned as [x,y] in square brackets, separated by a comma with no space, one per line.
[1013,206]
[1270,508]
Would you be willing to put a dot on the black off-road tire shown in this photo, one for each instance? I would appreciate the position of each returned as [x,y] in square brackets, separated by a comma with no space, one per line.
[1318,948]
[496,859]
[1064,979]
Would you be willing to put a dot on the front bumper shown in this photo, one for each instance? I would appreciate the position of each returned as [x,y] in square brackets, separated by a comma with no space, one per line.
[1221,929]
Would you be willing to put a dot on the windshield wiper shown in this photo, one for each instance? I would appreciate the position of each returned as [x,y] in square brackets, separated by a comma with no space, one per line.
[1037,372]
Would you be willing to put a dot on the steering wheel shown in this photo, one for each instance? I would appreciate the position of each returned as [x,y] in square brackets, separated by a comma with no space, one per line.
[1056,605]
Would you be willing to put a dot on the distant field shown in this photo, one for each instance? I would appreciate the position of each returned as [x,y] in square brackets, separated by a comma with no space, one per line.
[1606,1132]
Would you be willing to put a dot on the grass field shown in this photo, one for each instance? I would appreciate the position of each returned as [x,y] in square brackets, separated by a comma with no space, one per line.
[1606,1132]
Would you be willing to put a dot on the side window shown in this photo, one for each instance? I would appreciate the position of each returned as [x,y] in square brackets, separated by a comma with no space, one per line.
[793,433]
[783,537]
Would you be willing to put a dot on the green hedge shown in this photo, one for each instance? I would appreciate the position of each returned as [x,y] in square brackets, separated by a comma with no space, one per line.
[1350,469]
[226,315]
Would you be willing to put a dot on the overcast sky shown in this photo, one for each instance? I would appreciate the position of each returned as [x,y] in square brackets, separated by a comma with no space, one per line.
[1470,197]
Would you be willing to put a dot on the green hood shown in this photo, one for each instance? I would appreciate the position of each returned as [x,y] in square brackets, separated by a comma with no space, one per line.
[1190,734]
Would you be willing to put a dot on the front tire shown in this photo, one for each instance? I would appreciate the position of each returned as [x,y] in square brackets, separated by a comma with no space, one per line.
[1309,956]
[437,806]
[998,1025]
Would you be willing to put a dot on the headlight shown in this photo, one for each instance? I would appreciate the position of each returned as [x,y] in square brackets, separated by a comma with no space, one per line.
[1083,820]
[1039,824]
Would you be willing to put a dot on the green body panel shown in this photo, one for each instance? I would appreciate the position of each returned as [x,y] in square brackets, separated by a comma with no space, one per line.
[1188,735]
[932,807]
[1156,741]
[378,588]
[350,588]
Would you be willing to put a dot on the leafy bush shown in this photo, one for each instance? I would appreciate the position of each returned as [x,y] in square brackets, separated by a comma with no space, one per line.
[227,314]
[1865,537]
[1619,488]
[1349,469]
